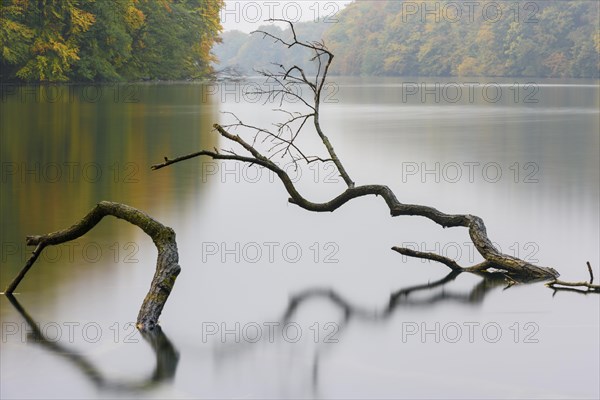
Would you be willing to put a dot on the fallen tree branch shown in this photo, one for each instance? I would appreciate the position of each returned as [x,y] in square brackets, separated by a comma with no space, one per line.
[518,270]
[167,267]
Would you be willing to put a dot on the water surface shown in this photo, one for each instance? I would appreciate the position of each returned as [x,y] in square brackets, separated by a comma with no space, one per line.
[530,169]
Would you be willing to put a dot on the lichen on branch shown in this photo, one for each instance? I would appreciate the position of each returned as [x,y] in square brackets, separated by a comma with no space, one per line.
[167,263]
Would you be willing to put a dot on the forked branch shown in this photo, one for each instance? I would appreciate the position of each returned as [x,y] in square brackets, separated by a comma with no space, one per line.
[517,269]
[323,57]
[167,262]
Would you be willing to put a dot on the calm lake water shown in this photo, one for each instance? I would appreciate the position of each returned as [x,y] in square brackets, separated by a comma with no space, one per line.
[524,156]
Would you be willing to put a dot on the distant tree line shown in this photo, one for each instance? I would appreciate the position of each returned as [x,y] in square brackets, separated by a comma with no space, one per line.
[251,52]
[107,40]
[448,38]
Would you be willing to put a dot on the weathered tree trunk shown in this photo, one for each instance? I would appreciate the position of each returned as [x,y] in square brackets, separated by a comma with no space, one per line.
[167,263]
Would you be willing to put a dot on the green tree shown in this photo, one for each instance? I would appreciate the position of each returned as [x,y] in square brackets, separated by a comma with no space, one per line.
[108,43]
[107,40]
[54,28]
[15,38]
[542,39]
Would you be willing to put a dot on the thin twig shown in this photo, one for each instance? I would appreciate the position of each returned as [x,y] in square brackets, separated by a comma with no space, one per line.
[591,273]
[564,285]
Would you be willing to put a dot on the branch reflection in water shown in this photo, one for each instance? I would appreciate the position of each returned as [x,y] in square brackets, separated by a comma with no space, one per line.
[167,356]
[406,297]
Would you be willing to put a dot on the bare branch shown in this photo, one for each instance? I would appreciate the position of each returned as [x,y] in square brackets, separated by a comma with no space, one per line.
[557,282]
[429,256]
[167,263]
[320,51]
[574,286]
[515,268]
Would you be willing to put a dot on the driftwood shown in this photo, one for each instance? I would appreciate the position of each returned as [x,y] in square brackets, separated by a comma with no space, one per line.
[167,267]
[283,142]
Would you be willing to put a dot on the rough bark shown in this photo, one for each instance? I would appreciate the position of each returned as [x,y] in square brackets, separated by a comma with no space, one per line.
[167,263]
[517,269]
[283,143]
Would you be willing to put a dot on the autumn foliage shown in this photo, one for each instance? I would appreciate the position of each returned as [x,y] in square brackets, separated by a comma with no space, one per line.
[107,40]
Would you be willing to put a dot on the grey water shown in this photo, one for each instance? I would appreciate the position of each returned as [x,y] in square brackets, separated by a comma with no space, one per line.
[524,155]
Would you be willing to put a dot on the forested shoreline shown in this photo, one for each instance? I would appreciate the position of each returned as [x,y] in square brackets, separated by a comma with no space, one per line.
[133,40]
[107,40]
[548,39]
